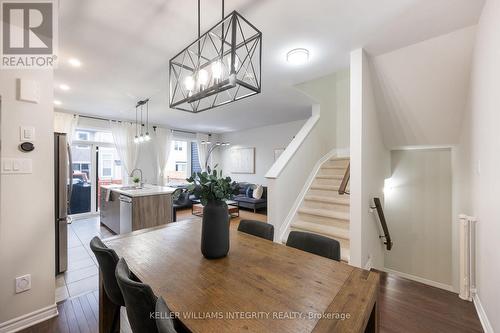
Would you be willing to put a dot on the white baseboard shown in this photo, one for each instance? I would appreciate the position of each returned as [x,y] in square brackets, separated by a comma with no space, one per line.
[482,314]
[29,319]
[420,279]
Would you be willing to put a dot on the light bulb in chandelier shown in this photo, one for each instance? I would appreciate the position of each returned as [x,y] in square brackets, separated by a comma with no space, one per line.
[147,137]
[202,78]
[189,83]
[141,138]
[136,139]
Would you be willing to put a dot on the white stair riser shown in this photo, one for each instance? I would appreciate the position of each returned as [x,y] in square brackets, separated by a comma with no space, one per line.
[329,182]
[325,205]
[331,172]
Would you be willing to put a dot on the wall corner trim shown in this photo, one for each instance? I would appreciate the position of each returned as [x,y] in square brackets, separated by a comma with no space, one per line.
[483,318]
[29,319]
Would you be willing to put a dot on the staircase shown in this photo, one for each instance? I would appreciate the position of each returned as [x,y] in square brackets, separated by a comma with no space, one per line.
[324,211]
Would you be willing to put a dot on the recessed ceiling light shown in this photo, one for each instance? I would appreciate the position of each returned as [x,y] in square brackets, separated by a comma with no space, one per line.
[56,102]
[64,87]
[74,62]
[297,56]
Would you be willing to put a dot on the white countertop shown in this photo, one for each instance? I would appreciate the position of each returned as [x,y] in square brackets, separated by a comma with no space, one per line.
[146,190]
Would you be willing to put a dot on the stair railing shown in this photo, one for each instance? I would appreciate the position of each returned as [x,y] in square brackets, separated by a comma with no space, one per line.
[345,181]
[380,212]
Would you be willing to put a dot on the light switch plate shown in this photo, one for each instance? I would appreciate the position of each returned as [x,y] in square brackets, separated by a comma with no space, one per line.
[27,133]
[17,166]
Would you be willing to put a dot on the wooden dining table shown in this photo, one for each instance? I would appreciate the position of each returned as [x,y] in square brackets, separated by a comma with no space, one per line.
[260,286]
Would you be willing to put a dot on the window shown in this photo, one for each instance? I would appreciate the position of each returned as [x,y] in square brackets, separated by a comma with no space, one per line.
[83,136]
[179,145]
[107,165]
[178,164]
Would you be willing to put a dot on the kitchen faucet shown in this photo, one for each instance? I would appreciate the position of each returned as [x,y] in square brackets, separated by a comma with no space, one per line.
[132,174]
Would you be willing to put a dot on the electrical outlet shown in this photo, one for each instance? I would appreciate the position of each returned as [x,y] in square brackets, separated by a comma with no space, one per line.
[23,283]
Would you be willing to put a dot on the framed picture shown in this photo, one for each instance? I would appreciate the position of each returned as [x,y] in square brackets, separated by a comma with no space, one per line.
[243,160]
[278,152]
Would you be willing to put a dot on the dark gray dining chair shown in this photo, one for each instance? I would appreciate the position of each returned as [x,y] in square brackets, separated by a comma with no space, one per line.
[108,259]
[164,323]
[257,228]
[316,244]
[140,301]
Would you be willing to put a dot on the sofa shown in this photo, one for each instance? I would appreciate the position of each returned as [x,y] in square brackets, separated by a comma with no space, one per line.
[245,201]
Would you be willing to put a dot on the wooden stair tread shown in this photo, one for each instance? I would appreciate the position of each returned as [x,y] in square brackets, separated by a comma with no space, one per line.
[339,158]
[322,229]
[325,213]
[324,187]
[320,176]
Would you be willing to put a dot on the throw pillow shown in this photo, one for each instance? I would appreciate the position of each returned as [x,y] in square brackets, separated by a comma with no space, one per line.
[257,192]
[249,192]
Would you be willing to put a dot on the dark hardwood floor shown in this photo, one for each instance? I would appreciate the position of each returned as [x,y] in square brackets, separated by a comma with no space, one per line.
[405,307]
[408,306]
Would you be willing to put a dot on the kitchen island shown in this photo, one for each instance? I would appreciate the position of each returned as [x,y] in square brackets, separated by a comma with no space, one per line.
[128,208]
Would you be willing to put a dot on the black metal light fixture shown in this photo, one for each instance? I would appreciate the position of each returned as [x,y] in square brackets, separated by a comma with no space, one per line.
[222,66]
[141,134]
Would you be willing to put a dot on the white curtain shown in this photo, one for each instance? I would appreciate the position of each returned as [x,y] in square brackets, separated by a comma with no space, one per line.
[65,123]
[162,140]
[202,149]
[123,135]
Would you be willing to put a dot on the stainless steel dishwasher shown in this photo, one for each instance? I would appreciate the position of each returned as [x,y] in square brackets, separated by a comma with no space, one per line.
[125,214]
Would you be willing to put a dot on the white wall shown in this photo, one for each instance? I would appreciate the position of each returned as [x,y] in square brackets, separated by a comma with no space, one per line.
[369,166]
[265,140]
[418,202]
[479,150]
[27,201]
[421,90]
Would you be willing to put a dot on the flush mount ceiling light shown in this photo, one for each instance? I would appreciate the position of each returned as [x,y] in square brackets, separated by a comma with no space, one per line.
[222,66]
[64,87]
[297,56]
[56,102]
[74,62]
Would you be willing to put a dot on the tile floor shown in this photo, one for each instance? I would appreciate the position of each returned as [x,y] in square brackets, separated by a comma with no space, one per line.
[82,274]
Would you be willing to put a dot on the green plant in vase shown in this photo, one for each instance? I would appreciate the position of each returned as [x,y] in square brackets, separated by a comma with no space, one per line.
[213,189]
[136,181]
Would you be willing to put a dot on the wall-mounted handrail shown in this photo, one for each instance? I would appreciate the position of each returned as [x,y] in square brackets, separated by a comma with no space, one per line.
[380,212]
[345,180]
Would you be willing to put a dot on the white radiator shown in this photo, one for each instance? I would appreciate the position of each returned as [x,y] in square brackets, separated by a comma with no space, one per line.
[467,248]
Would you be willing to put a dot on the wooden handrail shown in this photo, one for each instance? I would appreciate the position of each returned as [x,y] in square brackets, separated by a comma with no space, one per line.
[380,212]
[345,180]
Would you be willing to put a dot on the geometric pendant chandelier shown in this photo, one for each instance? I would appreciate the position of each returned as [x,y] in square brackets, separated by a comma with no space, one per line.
[222,66]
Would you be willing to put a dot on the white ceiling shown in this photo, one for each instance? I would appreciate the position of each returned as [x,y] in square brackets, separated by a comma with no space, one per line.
[125,47]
